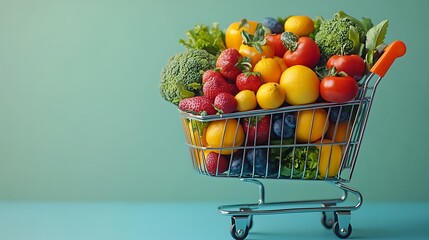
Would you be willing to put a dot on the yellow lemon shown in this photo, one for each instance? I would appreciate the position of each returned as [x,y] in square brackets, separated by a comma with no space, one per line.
[300,84]
[311,125]
[300,25]
[269,69]
[226,133]
[330,159]
[270,95]
[246,100]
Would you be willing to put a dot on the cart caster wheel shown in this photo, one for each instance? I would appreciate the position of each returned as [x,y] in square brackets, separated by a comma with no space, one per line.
[342,233]
[327,220]
[240,233]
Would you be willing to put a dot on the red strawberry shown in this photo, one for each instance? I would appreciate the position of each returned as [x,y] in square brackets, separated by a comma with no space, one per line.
[225,102]
[249,81]
[212,160]
[231,63]
[215,86]
[259,126]
[197,105]
[212,74]
[233,89]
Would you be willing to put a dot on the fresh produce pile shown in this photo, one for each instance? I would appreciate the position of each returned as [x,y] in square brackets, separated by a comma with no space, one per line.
[268,65]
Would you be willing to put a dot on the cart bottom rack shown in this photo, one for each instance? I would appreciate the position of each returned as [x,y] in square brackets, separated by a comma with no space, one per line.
[335,213]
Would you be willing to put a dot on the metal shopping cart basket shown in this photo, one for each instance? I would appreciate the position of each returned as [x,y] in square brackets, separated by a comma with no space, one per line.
[329,156]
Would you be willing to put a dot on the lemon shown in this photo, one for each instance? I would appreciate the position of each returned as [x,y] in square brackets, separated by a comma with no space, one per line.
[225,134]
[311,125]
[330,159]
[270,95]
[269,69]
[300,84]
[246,100]
[300,25]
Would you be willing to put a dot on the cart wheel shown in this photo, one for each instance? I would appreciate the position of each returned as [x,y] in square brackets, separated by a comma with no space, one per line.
[240,234]
[327,221]
[342,233]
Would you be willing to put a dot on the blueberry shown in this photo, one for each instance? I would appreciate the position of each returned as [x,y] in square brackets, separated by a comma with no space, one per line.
[335,111]
[290,121]
[257,158]
[272,24]
[236,165]
[287,123]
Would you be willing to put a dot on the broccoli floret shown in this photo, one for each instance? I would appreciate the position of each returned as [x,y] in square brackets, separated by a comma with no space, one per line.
[341,32]
[181,77]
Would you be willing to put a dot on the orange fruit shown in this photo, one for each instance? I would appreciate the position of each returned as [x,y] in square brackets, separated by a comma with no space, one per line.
[270,95]
[281,63]
[269,69]
[246,100]
[342,133]
[299,25]
[311,125]
[226,133]
[300,84]
[330,159]
[233,37]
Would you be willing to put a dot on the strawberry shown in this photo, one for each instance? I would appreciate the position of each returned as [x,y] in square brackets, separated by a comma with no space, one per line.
[212,74]
[212,160]
[198,105]
[233,89]
[257,127]
[249,81]
[215,86]
[225,103]
[231,63]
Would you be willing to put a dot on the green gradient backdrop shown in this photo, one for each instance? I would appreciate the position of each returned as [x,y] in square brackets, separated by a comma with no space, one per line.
[81,117]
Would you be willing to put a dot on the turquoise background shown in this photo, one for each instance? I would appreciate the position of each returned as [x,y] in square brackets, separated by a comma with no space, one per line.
[81,118]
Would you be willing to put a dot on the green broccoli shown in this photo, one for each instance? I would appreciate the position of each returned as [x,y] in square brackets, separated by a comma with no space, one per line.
[181,77]
[341,34]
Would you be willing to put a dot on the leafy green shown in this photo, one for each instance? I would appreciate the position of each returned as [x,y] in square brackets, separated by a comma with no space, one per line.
[374,39]
[298,162]
[367,22]
[203,37]
[375,36]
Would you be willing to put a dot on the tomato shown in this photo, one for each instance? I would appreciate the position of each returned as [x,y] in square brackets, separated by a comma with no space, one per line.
[233,37]
[338,89]
[306,53]
[254,55]
[274,40]
[352,65]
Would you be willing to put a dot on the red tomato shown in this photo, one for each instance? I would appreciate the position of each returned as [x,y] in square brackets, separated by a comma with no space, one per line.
[352,65]
[338,89]
[307,53]
[276,43]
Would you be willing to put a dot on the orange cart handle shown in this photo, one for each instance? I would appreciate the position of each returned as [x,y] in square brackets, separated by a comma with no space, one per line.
[390,53]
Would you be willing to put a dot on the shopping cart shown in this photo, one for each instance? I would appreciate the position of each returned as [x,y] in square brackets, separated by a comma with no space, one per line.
[287,155]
